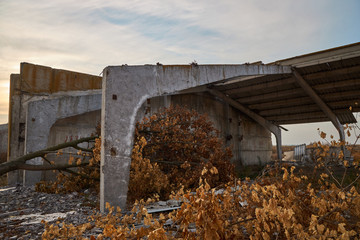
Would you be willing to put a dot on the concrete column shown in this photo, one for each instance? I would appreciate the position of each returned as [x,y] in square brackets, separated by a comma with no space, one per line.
[278,144]
[15,139]
[325,108]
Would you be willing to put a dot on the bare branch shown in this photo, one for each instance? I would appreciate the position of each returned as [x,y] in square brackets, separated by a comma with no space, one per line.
[83,149]
[82,175]
[21,161]
[30,167]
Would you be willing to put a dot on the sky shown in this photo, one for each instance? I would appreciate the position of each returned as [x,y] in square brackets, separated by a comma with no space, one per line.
[87,36]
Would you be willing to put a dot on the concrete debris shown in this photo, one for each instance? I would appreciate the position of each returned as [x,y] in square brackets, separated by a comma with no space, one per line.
[22,209]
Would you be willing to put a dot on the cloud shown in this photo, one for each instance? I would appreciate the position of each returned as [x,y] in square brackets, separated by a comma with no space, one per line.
[87,36]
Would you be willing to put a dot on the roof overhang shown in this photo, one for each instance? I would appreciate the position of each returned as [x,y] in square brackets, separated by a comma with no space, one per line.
[333,75]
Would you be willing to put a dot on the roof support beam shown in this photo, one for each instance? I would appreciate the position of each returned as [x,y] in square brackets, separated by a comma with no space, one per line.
[261,86]
[259,119]
[328,112]
[271,96]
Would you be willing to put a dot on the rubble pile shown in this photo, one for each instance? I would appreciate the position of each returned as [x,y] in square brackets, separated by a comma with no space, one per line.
[22,209]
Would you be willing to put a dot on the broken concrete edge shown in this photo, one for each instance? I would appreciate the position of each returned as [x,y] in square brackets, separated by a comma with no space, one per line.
[38,79]
[125,89]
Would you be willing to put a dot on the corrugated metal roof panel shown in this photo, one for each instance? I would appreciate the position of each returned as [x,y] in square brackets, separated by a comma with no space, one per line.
[334,76]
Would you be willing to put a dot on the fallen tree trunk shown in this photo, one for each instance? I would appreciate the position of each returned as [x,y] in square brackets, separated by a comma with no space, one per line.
[20,162]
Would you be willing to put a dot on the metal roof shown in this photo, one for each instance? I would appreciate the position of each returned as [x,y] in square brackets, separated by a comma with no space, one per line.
[333,74]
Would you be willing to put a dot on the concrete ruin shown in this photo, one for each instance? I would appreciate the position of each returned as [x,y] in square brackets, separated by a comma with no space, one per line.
[3,141]
[246,102]
[126,89]
[41,99]
[249,141]
[314,87]
[50,122]
[52,116]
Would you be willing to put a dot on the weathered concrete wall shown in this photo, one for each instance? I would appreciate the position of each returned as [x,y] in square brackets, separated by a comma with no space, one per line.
[3,140]
[37,82]
[250,142]
[70,129]
[43,114]
[256,145]
[126,88]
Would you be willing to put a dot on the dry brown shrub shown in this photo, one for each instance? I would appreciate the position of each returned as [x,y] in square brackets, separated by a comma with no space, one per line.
[279,206]
[171,150]
[86,177]
[179,143]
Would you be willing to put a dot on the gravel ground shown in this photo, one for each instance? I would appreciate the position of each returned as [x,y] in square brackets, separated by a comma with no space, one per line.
[22,209]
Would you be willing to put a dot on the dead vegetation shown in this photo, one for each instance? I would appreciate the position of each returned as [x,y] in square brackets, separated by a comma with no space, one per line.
[284,202]
[171,149]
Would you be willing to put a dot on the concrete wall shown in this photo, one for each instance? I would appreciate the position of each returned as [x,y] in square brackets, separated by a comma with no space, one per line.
[66,130]
[124,91]
[35,83]
[45,117]
[250,142]
[3,141]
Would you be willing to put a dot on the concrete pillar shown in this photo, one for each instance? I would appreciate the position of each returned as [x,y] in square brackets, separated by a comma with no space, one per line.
[16,121]
[322,105]
[278,144]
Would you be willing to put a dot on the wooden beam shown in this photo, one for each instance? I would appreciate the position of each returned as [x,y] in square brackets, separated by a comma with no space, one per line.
[300,115]
[290,110]
[296,116]
[339,95]
[281,103]
[261,86]
[304,85]
[330,98]
[259,119]
[338,84]
[271,96]
[332,73]
[345,104]
[302,121]
[313,76]
[304,109]
[297,92]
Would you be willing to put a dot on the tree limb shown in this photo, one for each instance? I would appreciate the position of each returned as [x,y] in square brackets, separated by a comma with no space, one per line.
[82,175]
[30,167]
[21,161]
[83,149]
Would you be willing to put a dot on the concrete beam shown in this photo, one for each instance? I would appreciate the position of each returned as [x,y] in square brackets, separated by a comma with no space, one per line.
[328,112]
[259,119]
[125,88]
